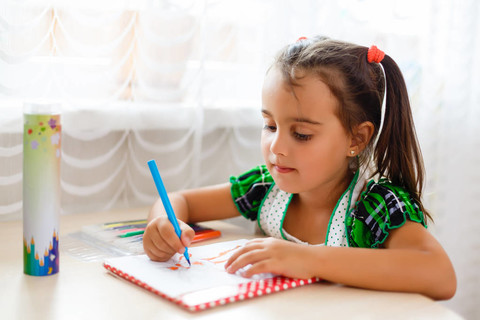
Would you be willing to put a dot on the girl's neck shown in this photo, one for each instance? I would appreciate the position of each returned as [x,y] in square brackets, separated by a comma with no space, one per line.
[325,196]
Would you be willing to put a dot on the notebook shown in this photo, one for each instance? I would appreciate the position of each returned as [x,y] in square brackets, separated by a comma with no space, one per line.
[204,284]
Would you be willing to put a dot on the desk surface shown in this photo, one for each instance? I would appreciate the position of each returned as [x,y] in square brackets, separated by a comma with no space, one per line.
[86,290]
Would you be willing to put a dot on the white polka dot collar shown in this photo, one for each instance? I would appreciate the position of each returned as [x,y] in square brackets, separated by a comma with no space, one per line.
[275,204]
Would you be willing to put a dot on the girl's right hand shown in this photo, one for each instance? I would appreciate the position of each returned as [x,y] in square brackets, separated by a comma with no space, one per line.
[160,241]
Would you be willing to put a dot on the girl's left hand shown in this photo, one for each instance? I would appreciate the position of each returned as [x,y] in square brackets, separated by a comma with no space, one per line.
[272,255]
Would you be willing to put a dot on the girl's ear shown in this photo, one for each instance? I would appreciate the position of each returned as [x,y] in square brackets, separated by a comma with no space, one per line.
[360,138]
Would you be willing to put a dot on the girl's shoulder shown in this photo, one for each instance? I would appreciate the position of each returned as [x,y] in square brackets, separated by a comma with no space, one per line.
[249,189]
[382,207]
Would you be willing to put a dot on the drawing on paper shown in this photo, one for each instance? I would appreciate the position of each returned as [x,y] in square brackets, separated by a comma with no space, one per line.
[220,258]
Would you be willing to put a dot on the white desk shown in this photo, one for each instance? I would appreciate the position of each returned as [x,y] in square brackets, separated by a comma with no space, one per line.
[85,290]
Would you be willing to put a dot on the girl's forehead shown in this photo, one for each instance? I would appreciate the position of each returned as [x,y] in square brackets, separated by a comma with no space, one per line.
[309,95]
[274,79]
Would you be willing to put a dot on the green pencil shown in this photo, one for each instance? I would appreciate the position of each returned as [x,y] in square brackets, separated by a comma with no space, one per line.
[133,233]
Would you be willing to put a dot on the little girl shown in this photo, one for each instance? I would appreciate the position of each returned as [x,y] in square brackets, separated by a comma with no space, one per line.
[336,115]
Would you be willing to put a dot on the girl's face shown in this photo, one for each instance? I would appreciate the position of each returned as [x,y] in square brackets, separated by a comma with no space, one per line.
[304,144]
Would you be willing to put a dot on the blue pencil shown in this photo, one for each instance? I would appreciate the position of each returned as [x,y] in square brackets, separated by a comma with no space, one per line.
[166,202]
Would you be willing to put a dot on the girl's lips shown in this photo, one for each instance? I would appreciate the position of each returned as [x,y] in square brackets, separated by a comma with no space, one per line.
[280,169]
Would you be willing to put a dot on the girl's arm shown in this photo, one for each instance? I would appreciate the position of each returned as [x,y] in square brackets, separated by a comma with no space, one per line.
[412,261]
[210,203]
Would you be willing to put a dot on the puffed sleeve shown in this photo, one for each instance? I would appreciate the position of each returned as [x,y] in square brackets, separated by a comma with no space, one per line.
[381,208]
[249,189]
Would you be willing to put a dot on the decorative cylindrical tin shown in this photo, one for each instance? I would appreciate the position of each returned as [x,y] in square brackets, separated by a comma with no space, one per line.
[41,188]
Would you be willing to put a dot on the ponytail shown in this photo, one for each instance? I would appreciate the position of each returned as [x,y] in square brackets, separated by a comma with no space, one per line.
[397,154]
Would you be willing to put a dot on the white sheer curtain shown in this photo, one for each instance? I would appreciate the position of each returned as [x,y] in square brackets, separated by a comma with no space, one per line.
[179,81]
[448,122]
[157,79]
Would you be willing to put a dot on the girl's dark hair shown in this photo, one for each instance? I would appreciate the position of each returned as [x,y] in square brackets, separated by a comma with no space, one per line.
[359,88]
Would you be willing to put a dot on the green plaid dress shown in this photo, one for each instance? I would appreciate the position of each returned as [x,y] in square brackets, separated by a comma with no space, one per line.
[379,209]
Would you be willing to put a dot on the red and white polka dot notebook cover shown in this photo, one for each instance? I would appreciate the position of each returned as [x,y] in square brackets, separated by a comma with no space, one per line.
[205,284]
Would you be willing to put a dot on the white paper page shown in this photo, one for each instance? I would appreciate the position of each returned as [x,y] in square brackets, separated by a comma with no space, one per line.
[175,277]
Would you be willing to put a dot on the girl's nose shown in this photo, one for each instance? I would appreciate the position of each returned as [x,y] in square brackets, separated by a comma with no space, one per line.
[278,145]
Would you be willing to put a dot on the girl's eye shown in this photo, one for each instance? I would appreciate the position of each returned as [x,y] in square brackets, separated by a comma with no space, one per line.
[269,128]
[302,137]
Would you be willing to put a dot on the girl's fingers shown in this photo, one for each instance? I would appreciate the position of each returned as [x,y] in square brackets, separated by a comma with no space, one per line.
[152,246]
[187,233]
[262,266]
[237,253]
[156,254]
[150,238]
[169,237]
[160,241]
[246,256]
[250,245]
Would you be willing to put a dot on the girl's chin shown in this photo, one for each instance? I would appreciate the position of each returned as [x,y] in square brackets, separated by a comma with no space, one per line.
[286,186]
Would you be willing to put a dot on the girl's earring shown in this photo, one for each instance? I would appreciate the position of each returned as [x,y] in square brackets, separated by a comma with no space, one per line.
[352,152]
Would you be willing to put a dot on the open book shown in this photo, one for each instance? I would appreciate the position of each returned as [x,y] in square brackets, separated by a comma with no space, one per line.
[205,283]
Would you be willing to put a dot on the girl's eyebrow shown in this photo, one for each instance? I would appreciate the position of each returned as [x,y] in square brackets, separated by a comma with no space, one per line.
[268,113]
[305,120]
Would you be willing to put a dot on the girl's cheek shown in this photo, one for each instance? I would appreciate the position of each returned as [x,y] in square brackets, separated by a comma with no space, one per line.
[265,144]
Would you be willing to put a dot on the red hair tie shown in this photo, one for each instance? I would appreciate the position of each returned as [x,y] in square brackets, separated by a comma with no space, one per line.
[375,55]
[301,38]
